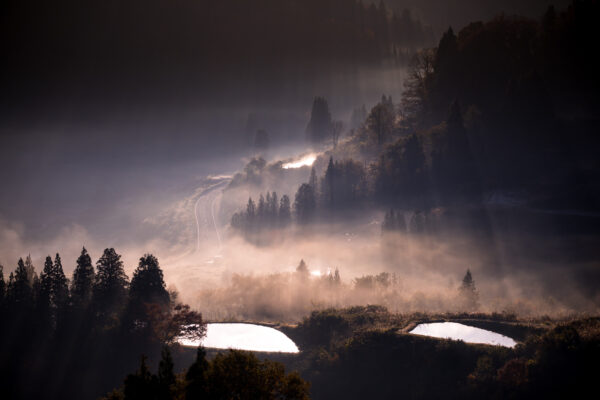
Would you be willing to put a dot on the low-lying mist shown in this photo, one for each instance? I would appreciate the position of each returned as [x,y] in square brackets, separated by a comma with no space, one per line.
[519,262]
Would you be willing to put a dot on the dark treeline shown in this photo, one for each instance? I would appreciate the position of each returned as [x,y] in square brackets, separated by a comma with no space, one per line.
[76,338]
[269,213]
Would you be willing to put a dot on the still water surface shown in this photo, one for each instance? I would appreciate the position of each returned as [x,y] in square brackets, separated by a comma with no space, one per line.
[469,334]
[243,337]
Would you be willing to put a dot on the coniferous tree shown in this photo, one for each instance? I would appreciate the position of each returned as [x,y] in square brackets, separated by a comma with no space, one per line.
[29,267]
[380,122]
[197,385]
[110,286]
[83,280]
[272,207]
[337,280]
[445,67]
[452,160]
[468,293]
[261,208]
[302,270]
[44,300]
[147,284]
[19,293]
[250,211]
[166,375]
[60,285]
[305,204]
[267,211]
[415,101]
[142,384]
[285,212]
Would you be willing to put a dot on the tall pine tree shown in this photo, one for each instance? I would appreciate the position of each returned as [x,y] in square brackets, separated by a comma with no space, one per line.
[110,287]
[147,284]
[60,285]
[83,280]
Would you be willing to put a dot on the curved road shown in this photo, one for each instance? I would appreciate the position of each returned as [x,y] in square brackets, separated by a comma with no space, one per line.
[204,210]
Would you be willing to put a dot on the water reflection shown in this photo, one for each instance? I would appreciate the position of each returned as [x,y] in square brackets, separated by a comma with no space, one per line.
[469,334]
[243,337]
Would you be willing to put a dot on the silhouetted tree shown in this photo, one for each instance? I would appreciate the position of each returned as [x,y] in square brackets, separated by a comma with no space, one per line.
[468,293]
[337,280]
[142,384]
[400,172]
[166,375]
[272,208]
[250,210]
[197,385]
[302,270]
[82,284]
[110,286]
[380,122]
[305,204]
[29,267]
[19,292]
[60,286]
[285,212]
[261,209]
[344,184]
[44,299]
[147,284]
[452,162]
[415,97]
[178,320]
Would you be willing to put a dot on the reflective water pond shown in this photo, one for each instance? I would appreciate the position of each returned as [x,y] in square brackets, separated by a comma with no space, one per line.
[468,334]
[243,337]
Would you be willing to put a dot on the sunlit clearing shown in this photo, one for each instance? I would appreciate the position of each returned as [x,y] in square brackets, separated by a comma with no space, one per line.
[316,273]
[305,161]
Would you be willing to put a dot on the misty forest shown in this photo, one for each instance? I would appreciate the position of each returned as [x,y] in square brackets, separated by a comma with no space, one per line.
[295,199]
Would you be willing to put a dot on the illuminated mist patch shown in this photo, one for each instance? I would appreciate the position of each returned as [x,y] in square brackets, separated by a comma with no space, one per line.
[469,334]
[243,337]
[305,161]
